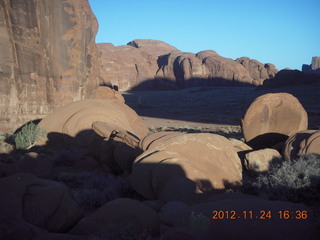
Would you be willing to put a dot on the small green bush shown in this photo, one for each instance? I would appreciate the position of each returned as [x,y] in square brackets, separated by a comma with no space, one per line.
[296,180]
[28,136]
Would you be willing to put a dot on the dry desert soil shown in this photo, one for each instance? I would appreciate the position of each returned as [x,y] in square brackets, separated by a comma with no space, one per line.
[212,109]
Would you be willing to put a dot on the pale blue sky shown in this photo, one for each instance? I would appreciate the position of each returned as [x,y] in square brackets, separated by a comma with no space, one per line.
[283,32]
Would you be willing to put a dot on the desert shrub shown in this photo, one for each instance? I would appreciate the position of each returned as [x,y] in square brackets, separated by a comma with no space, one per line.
[92,190]
[28,136]
[296,180]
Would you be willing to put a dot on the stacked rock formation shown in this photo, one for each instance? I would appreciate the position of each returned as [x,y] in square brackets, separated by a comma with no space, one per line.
[258,71]
[154,65]
[48,57]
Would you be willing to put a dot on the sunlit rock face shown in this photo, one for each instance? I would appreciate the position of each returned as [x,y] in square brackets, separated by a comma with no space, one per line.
[128,66]
[48,57]
[314,67]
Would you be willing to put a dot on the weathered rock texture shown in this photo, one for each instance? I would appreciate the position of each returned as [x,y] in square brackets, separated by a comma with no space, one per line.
[203,68]
[152,64]
[184,166]
[261,160]
[272,118]
[129,65]
[258,71]
[301,143]
[48,57]
[75,121]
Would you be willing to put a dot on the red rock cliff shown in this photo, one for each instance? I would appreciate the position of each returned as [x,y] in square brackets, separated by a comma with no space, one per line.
[48,57]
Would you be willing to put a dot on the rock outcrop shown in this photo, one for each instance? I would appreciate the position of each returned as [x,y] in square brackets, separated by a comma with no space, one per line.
[129,65]
[74,122]
[272,118]
[43,203]
[314,67]
[204,68]
[289,78]
[258,71]
[117,214]
[155,65]
[48,57]
[302,143]
[183,167]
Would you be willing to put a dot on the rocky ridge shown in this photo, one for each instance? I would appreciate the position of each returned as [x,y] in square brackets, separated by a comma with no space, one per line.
[154,65]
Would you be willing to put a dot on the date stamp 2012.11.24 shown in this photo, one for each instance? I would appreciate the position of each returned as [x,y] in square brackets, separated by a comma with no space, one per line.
[259,215]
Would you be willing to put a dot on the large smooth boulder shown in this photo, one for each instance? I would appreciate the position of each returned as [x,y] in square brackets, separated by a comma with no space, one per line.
[119,213]
[153,139]
[185,166]
[302,143]
[261,160]
[75,120]
[46,204]
[48,57]
[272,118]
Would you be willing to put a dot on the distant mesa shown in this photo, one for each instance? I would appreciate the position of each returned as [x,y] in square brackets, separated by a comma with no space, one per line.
[314,67]
[146,64]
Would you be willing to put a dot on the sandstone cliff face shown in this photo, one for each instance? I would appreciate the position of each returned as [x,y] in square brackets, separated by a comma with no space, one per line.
[155,65]
[206,67]
[48,57]
[129,65]
[258,71]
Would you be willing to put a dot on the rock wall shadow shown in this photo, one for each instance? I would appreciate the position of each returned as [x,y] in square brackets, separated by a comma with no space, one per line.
[159,84]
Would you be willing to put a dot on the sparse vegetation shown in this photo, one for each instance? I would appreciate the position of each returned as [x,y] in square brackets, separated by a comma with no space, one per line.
[295,180]
[92,190]
[28,136]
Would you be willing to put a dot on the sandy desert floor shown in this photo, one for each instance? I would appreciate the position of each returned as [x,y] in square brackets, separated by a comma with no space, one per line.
[212,109]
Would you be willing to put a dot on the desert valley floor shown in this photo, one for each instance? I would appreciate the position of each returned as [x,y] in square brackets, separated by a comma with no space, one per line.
[213,109]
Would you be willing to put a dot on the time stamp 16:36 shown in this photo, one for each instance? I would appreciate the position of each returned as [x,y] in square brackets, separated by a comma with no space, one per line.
[262,215]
